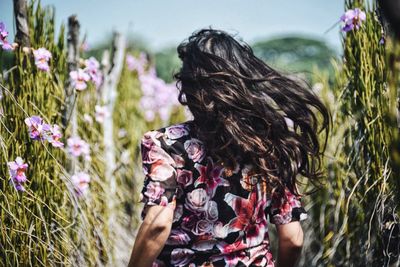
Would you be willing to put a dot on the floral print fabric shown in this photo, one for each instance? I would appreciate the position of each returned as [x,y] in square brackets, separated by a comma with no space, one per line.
[219,220]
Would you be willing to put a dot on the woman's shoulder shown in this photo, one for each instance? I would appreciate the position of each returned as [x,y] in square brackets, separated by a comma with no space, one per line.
[173,131]
[178,139]
[171,134]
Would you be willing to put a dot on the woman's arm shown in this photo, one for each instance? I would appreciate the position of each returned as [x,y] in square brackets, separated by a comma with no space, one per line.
[151,236]
[290,243]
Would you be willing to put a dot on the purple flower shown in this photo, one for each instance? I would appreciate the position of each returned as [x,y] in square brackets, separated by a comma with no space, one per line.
[184,177]
[382,40]
[136,64]
[352,19]
[37,128]
[77,147]
[3,31]
[3,38]
[79,78]
[158,97]
[154,191]
[6,46]
[196,200]
[93,69]
[17,170]
[101,113]
[42,57]
[195,149]
[80,181]
[55,135]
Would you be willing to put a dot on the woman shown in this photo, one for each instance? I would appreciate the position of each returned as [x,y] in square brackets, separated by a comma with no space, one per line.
[212,182]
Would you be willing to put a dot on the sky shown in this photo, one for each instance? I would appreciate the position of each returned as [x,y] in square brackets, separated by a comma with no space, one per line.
[163,23]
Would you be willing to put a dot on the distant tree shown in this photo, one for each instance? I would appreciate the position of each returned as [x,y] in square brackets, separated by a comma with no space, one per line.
[167,63]
[296,54]
[134,42]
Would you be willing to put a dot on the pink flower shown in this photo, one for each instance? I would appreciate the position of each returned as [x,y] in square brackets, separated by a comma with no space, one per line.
[150,139]
[196,200]
[55,135]
[77,147]
[17,170]
[211,176]
[80,181]
[158,97]
[352,19]
[101,112]
[136,64]
[231,249]
[7,46]
[195,149]
[203,227]
[37,128]
[184,177]
[3,31]
[250,216]
[161,164]
[3,36]
[79,78]
[176,131]
[154,191]
[93,69]
[160,170]
[42,57]
[212,211]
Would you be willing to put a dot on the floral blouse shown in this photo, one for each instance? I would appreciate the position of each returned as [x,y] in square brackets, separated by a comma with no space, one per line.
[218,219]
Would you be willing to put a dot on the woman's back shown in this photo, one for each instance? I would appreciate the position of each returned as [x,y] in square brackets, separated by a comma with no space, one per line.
[220,219]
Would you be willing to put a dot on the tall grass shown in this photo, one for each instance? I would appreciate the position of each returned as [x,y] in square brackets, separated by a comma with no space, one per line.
[37,226]
[355,212]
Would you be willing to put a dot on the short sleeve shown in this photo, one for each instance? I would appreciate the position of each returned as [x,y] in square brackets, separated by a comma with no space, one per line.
[159,185]
[283,211]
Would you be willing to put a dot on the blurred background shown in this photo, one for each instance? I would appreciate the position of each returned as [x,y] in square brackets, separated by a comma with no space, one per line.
[299,33]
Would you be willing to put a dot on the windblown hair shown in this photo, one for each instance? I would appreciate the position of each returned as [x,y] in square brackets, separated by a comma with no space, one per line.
[241,107]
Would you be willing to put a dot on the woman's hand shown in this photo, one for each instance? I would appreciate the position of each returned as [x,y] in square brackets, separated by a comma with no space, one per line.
[151,236]
[290,243]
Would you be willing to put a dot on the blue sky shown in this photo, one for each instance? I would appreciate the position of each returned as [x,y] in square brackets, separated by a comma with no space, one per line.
[165,23]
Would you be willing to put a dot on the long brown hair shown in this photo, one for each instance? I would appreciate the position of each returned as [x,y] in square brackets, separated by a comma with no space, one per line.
[241,107]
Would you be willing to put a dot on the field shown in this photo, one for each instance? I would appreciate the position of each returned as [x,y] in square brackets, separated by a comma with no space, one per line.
[71,119]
